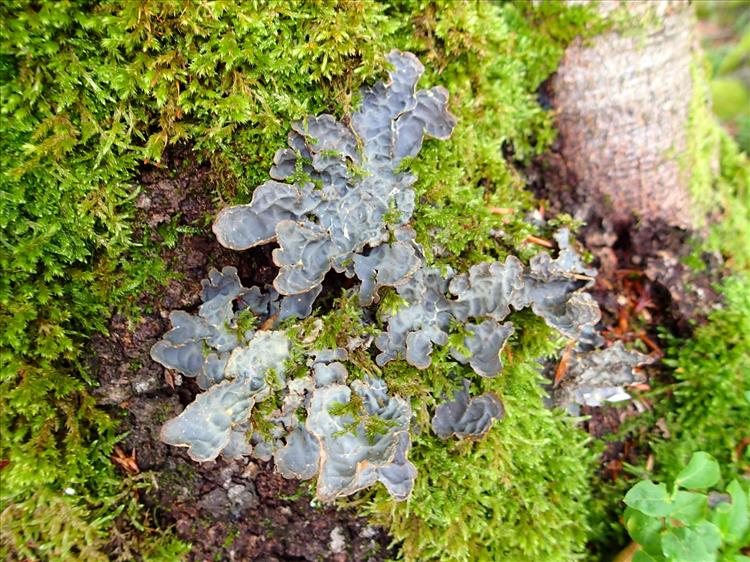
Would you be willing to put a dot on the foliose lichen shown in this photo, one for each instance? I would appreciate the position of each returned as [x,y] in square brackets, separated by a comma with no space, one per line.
[553,288]
[598,376]
[466,417]
[346,206]
[352,195]
[199,346]
[347,450]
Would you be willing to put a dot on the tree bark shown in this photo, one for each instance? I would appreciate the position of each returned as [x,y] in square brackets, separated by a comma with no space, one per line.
[622,104]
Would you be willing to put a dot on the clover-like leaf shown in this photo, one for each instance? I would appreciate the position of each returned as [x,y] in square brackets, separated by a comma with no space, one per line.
[644,529]
[732,518]
[691,545]
[649,498]
[643,556]
[710,535]
[689,507]
[701,472]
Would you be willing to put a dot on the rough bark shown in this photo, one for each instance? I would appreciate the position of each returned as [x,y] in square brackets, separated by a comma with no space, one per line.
[622,110]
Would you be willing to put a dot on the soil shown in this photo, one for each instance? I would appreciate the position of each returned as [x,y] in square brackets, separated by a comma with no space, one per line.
[242,510]
[227,510]
[644,288]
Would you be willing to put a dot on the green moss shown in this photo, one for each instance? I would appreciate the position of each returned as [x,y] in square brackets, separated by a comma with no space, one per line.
[708,405]
[492,60]
[500,497]
[720,178]
[91,90]
[66,526]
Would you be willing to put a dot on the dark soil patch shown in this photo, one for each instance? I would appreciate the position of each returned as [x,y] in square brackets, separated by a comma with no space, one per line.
[644,288]
[227,510]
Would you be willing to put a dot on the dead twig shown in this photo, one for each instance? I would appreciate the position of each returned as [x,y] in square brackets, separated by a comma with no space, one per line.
[268,324]
[501,210]
[127,462]
[562,366]
[539,241]
[651,344]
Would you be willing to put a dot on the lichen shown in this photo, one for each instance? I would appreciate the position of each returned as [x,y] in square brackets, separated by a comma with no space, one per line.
[354,197]
[218,325]
[553,288]
[599,376]
[352,458]
[465,417]
[351,213]
[307,435]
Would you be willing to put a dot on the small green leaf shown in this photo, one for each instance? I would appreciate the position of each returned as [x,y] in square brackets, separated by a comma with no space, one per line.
[701,472]
[643,556]
[689,507]
[649,498]
[710,535]
[644,530]
[732,519]
[686,545]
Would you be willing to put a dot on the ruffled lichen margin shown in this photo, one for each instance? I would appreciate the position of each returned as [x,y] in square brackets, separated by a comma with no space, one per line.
[352,433]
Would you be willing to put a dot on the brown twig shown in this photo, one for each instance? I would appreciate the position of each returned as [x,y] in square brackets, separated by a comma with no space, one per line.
[268,324]
[501,210]
[651,344]
[127,462]
[169,377]
[562,366]
[539,241]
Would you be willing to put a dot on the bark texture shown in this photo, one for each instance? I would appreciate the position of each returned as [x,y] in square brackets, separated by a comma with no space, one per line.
[622,105]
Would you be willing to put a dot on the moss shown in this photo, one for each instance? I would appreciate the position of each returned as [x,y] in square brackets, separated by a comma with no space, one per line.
[492,59]
[720,177]
[498,498]
[91,90]
[63,526]
[707,404]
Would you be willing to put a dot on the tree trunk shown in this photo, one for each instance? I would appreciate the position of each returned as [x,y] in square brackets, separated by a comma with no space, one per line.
[622,105]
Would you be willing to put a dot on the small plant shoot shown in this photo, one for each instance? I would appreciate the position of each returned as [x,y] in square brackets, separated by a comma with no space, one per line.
[690,523]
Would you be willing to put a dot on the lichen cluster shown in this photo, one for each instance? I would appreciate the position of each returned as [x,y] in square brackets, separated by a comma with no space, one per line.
[347,208]
[238,368]
[94,93]
[352,196]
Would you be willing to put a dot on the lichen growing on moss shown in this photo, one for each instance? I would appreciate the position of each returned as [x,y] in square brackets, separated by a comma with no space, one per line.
[94,92]
[342,447]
